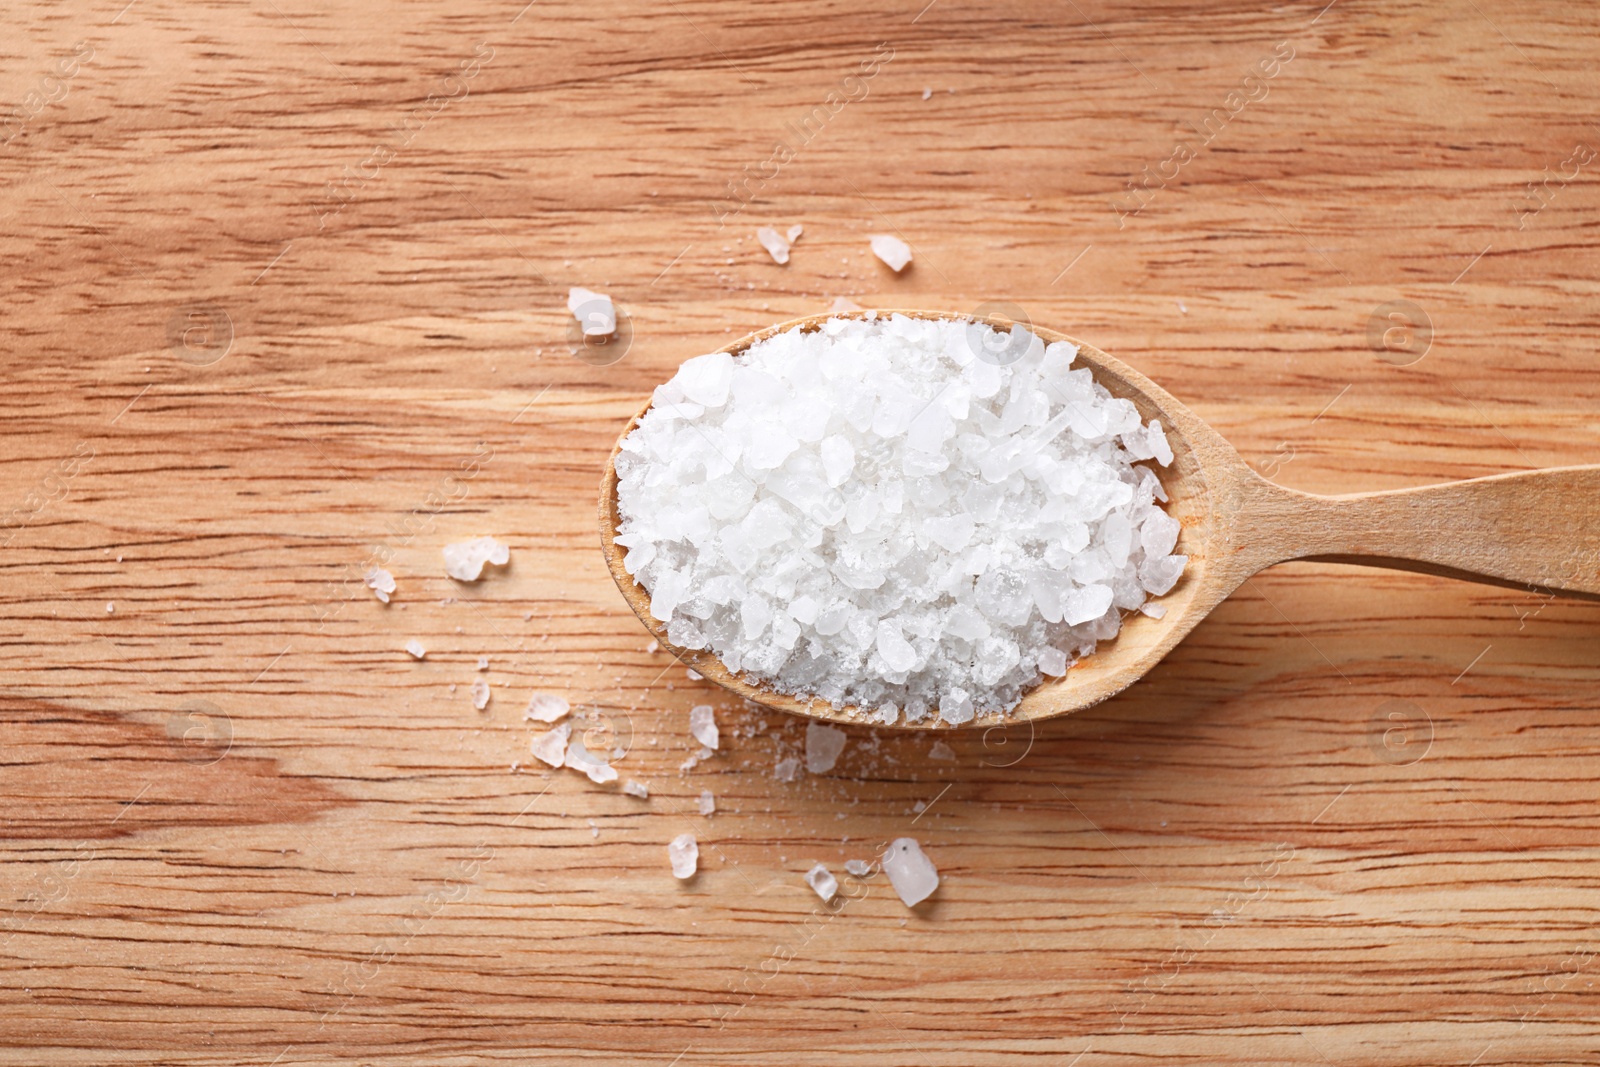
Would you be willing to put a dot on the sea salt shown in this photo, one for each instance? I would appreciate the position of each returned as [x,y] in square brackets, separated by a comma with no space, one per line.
[906,517]
[464,560]
[820,879]
[775,244]
[787,769]
[381,582]
[708,803]
[546,707]
[580,758]
[859,868]
[414,647]
[910,871]
[823,745]
[551,746]
[480,693]
[594,311]
[893,251]
[703,725]
[636,789]
[684,855]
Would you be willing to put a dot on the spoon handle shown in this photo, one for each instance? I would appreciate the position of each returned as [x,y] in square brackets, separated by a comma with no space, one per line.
[1535,530]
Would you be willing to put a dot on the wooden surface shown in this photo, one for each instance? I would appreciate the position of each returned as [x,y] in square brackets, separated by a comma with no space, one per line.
[1351,820]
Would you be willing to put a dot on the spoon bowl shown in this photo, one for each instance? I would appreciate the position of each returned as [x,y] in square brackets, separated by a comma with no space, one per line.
[1538,530]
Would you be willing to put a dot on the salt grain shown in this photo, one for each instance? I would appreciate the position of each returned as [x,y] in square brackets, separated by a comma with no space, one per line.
[551,746]
[823,745]
[787,769]
[580,758]
[684,855]
[480,694]
[594,311]
[941,751]
[910,871]
[636,789]
[464,560]
[912,518]
[708,803]
[859,868]
[822,880]
[546,707]
[893,251]
[703,725]
[414,647]
[774,243]
[381,582]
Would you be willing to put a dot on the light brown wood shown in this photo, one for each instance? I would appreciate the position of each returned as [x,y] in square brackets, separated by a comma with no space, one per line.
[1538,531]
[1351,819]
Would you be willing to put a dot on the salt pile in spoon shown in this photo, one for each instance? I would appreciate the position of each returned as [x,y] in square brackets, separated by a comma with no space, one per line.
[907,516]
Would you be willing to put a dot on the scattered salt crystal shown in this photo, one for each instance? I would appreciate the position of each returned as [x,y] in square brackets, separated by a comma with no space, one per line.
[551,746]
[464,560]
[774,243]
[594,311]
[546,707]
[941,751]
[110,607]
[822,880]
[483,663]
[581,759]
[636,789]
[910,871]
[787,769]
[480,693]
[381,582]
[909,518]
[794,233]
[859,868]
[1153,609]
[703,725]
[823,745]
[842,304]
[927,94]
[653,647]
[684,855]
[708,803]
[414,647]
[893,251]
[694,675]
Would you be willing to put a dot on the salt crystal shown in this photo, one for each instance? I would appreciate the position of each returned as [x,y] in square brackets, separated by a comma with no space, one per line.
[581,759]
[480,693]
[910,871]
[703,725]
[381,582]
[823,745]
[708,803]
[893,251]
[941,751]
[594,311]
[842,304]
[684,855]
[414,647]
[551,746]
[483,663]
[927,94]
[636,789]
[546,707]
[820,879]
[774,243]
[787,769]
[859,868]
[464,560]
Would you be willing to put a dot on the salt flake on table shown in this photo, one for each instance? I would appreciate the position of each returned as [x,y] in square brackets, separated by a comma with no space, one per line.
[684,855]
[774,243]
[910,871]
[893,251]
[594,311]
[636,789]
[464,560]
[483,663]
[941,751]
[414,647]
[823,745]
[787,769]
[794,233]
[546,707]
[703,725]
[551,746]
[580,758]
[821,880]
[859,868]
[381,582]
[480,693]
[708,803]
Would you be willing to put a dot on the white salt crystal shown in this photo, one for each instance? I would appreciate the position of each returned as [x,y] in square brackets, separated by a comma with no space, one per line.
[774,243]
[551,746]
[581,759]
[941,751]
[464,560]
[787,769]
[636,789]
[859,868]
[907,517]
[594,311]
[414,647]
[893,251]
[703,725]
[546,707]
[380,581]
[821,880]
[910,871]
[684,855]
[480,693]
[708,803]
[823,745]
[927,94]
[842,304]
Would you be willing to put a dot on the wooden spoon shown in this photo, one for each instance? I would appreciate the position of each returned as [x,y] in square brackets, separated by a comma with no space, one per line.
[1535,530]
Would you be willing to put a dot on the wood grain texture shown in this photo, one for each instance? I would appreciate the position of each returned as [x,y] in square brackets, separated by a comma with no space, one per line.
[286,301]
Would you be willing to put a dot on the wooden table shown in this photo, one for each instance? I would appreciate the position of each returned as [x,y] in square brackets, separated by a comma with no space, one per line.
[285,300]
